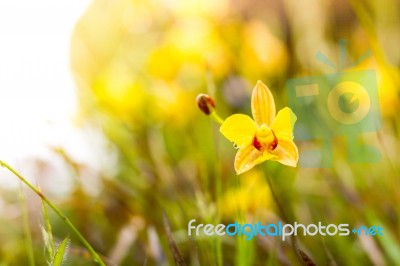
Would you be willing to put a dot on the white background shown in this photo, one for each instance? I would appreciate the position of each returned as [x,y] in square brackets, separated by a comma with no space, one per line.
[37,91]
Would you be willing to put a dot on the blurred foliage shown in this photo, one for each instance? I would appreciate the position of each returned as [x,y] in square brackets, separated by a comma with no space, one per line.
[139,65]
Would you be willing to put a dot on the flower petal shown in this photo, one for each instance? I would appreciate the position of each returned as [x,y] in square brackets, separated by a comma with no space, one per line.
[239,129]
[262,104]
[248,156]
[283,123]
[286,152]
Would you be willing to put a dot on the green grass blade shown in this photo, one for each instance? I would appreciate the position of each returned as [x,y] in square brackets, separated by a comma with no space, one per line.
[60,253]
[27,230]
[47,233]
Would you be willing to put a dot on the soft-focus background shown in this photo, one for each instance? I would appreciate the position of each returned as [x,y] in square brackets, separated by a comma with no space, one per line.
[97,103]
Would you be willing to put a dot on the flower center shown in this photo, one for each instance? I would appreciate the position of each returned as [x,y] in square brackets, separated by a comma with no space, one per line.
[265,138]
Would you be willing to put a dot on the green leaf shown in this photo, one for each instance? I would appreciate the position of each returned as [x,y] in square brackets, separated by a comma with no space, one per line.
[47,233]
[59,256]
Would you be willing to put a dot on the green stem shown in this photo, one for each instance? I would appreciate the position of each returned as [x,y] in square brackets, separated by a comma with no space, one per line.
[285,217]
[95,256]
[218,192]
[217,118]
[282,211]
[50,249]
[28,240]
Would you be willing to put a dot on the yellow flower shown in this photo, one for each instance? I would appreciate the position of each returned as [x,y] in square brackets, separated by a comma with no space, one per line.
[252,197]
[266,137]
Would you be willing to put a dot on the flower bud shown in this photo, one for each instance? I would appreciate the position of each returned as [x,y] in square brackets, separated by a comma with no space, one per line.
[205,103]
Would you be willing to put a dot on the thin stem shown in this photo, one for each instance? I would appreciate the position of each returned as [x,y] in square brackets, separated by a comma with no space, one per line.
[217,118]
[278,204]
[95,256]
[284,217]
[218,185]
[28,240]
[50,248]
[218,193]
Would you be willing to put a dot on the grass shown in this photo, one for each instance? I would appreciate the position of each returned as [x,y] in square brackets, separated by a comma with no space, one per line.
[93,253]
[169,162]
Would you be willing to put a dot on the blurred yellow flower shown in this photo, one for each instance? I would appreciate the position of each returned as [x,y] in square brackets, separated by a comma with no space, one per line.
[189,52]
[169,99]
[388,80]
[252,197]
[266,137]
[262,53]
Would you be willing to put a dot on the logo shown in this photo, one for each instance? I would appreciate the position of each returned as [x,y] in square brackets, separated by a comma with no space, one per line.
[348,103]
[341,104]
[249,231]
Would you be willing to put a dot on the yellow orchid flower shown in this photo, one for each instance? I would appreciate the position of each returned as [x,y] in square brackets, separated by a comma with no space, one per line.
[267,137]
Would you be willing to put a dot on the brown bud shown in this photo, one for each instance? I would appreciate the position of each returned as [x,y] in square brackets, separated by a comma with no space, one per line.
[205,103]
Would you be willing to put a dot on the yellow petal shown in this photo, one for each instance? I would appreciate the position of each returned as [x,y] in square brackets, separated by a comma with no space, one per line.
[283,123]
[286,152]
[248,156]
[262,104]
[239,129]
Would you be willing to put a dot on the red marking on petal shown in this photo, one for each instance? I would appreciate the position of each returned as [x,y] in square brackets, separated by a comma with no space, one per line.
[259,146]
[256,144]
[274,144]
